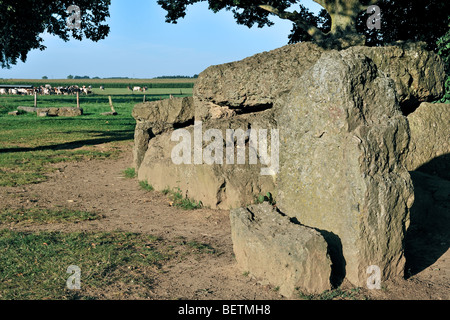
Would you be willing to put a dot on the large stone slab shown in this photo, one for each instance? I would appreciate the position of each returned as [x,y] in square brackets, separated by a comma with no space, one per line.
[252,83]
[219,186]
[153,118]
[54,112]
[418,74]
[344,143]
[342,154]
[257,81]
[272,248]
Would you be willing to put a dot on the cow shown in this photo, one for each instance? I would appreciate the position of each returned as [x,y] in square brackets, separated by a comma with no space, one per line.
[137,89]
[3,91]
[85,90]
[102,88]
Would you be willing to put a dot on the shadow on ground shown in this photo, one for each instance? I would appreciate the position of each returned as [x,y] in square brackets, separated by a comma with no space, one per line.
[428,236]
[103,137]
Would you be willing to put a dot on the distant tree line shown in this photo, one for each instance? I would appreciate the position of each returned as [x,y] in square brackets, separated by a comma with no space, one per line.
[71,77]
[195,76]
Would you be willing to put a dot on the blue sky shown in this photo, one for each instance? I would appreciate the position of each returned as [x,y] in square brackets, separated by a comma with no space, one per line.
[142,45]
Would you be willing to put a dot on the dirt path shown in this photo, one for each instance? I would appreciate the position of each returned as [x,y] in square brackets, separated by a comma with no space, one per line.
[99,185]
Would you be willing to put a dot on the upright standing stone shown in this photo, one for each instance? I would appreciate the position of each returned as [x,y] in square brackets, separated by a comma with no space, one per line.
[343,140]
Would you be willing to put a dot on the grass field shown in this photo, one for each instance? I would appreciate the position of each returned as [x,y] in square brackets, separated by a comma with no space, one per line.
[28,144]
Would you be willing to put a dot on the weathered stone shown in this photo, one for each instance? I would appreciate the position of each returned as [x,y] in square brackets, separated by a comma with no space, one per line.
[274,249]
[70,112]
[343,144]
[221,186]
[164,114]
[27,109]
[252,83]
[153,118]
[257,81]
[418,74]
[430,139]
[54,112]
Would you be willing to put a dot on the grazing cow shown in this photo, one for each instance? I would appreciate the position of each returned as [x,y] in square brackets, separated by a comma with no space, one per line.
[137,89]
[3,91]
[58,90]
[102,88]
[85,90]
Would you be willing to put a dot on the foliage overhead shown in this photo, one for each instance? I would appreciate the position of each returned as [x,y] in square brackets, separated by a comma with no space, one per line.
[419,20]
[341,23]
[22,23]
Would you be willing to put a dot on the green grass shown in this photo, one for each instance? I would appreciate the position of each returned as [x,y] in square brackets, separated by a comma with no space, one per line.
[265,198]
[42,215]
[338,293]
[178,200]
[201,247]
[146,186]
[29,144]
[34,265]
[129,173]
[157,93]
[183,202]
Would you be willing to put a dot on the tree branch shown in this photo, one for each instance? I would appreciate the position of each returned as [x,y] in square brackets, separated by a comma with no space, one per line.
[313,31]
[327,4]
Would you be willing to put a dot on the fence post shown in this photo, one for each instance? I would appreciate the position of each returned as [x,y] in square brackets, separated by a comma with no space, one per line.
[111,104]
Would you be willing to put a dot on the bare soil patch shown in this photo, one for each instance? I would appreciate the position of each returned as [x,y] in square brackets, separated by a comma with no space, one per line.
[100,186]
